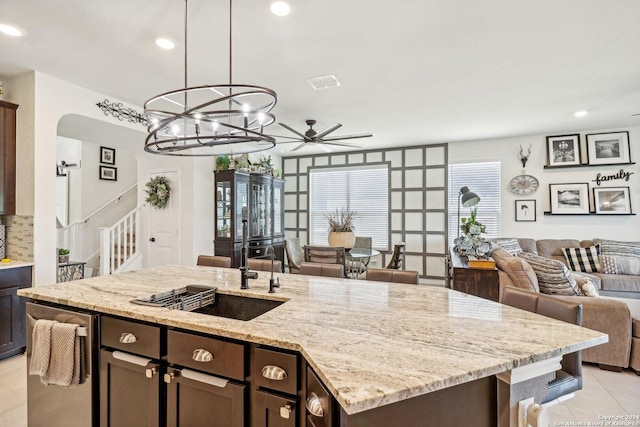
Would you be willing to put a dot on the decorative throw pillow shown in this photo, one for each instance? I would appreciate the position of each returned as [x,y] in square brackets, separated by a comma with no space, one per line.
[554,277]
[612,264]
[509,244]
[518,270]
[615,247]
[587,286]
[582,259]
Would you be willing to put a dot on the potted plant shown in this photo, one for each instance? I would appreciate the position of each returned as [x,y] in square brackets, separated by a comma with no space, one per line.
[265,164]
[471,243]
[63,255]
[222,162]
[341,228]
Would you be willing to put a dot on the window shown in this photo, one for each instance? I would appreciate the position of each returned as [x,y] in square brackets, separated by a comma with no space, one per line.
[484,180]
[363,189]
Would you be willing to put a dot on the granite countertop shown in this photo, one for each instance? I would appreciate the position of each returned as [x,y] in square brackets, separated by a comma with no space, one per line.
[14,264]
[371,343]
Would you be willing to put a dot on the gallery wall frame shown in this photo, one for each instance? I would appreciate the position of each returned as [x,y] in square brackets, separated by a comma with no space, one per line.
[563,150]
[525,210]
[108,173]
[569,199]
[608,148]
[612,201]
[108,155]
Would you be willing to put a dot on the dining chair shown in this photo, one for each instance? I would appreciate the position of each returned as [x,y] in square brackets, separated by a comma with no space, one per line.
[325,254]
[394,276]
[214,261]
[320,269]
[397,258]
[294,252]
[264,264]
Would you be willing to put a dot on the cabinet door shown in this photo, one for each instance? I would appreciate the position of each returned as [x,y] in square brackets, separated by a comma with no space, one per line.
[202,400]
[278,207]
[260,210]
[270,410]
[12,335]
[129,393]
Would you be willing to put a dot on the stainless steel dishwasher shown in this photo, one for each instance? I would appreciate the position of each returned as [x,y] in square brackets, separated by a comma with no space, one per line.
[54,406]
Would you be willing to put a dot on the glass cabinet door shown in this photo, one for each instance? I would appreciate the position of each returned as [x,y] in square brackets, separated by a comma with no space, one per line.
[260,209]
[242,196]
[223,209]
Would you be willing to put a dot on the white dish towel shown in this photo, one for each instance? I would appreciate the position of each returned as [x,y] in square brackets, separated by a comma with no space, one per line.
[55,353]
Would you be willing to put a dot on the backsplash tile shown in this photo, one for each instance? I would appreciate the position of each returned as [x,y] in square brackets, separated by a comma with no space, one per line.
[19,236]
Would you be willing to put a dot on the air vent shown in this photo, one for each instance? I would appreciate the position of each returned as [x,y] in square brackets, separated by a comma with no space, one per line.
[324,82]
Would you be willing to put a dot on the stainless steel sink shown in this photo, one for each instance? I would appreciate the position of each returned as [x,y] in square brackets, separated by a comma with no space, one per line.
[237,307]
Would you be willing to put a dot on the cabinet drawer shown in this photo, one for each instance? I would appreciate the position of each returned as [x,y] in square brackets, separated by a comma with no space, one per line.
[319,405]
[268,365]
[206,354]
[131,337]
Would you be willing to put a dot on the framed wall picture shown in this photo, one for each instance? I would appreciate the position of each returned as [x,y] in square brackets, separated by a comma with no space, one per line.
[108,155]
[108,173]
[525,210]
[608,148]
[569,199]
[563,150]
[612,201]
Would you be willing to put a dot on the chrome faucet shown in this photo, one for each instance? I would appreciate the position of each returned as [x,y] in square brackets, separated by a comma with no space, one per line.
[272,284]
[245,274]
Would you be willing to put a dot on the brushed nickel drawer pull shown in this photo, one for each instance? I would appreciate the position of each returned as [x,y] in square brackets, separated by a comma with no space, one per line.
[127,338]
[314,406]
[272,372]
[202,355]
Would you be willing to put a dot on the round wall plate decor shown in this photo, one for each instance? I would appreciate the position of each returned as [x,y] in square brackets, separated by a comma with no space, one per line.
[524,184]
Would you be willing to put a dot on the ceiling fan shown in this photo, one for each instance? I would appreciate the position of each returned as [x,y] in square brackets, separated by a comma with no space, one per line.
[320,139]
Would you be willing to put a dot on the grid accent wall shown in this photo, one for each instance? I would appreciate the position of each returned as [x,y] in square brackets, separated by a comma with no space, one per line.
[418,200]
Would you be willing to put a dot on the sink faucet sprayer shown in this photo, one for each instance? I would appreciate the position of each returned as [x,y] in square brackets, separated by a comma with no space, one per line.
[272,285]
[245,274]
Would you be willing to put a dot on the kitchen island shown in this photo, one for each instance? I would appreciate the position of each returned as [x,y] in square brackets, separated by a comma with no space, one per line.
[372,344]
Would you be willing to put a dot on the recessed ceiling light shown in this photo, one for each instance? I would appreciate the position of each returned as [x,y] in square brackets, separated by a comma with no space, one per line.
[580,113]
[165,43]
[280,8]
[10,30]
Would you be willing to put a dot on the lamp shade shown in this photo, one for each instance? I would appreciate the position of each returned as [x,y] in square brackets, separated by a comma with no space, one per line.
[469,198]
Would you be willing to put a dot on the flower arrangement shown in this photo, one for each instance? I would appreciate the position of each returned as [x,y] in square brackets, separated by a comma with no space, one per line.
[471,243]
[158,192]
[341,221]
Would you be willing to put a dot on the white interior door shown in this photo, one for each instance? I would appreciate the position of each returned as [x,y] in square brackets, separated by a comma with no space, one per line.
[164,226]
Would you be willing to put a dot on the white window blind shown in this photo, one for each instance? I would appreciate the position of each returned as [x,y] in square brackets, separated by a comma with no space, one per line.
[484,180]
[363,189]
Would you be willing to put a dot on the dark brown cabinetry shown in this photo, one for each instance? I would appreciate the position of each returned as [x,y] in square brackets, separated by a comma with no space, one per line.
[12,310]
[263,197]
[130,383]
[480,282]
[276,390]
[7,158]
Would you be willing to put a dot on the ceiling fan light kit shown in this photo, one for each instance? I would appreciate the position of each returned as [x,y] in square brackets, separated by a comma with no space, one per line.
[210,120]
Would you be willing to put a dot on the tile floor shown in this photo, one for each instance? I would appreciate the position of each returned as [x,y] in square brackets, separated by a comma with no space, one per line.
[604,394]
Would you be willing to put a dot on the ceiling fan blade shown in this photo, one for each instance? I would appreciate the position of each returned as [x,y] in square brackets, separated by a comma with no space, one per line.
[339,138]
[290,129]
[342,144]
[299,146]
[327,131]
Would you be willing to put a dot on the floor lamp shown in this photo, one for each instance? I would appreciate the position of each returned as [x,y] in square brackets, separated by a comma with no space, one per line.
[468,199]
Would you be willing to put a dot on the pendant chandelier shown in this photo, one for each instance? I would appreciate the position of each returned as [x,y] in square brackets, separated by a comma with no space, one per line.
[210,120]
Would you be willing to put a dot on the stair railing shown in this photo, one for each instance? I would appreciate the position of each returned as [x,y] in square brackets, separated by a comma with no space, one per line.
[119,243]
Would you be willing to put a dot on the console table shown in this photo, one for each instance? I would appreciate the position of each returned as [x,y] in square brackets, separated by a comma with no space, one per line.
[480,282]
[72,270]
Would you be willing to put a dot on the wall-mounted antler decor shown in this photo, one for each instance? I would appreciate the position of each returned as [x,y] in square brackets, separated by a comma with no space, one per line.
[524,157]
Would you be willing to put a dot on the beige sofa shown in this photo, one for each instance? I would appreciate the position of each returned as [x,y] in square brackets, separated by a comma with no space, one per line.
[609,316]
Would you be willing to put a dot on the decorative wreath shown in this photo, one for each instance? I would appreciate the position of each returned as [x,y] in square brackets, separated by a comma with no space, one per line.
[158,192]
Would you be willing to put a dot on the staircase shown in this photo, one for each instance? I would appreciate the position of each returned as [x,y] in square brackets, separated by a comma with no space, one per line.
[119,245]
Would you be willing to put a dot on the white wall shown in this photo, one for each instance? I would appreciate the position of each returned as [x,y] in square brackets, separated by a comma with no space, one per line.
[507,150]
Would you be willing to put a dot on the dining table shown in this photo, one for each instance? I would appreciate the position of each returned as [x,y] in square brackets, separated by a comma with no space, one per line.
[357,260]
